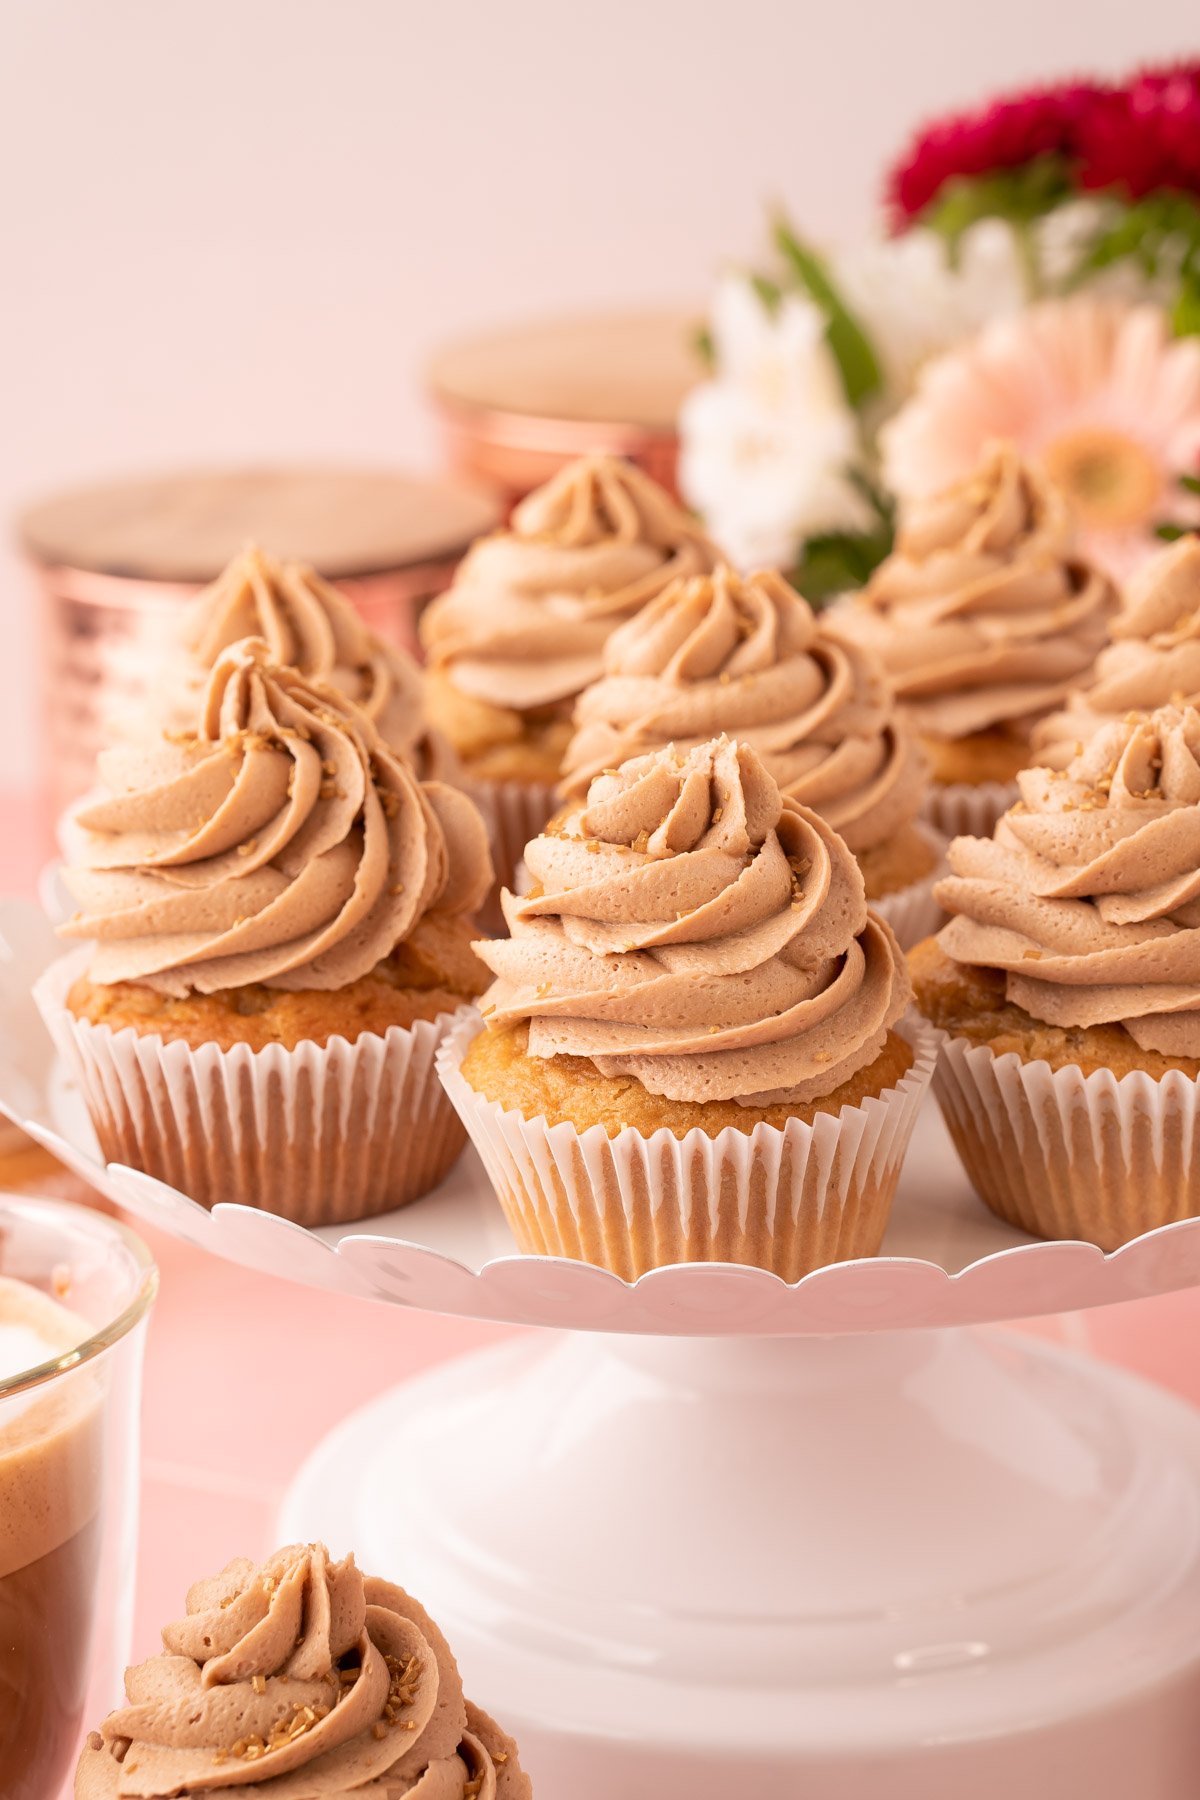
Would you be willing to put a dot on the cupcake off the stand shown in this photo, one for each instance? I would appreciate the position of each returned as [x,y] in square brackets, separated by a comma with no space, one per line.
[745,655]
[279,918]
[692,1048]
[1068,981]
[521,632]
[301,1678]
[985,618]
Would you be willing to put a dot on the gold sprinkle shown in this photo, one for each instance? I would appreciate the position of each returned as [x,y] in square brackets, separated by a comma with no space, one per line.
[397,887]
[1032,955]
[258,1683]
[248,848]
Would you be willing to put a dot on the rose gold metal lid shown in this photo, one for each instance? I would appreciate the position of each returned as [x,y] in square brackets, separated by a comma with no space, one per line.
[514,406]
[184,528]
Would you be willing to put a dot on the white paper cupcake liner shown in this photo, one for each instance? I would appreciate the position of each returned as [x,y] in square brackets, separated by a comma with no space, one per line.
[912,912]
[967,809]
[514,813]
[322,1134]
[1061,1154]
[789,1200]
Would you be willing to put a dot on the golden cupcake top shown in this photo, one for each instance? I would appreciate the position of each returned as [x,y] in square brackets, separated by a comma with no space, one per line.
[694,929]
[1088,895]
[1153,660]
[309,626]
[525,623]
[983,615]
[302,1678]
[745,656]
[280,843]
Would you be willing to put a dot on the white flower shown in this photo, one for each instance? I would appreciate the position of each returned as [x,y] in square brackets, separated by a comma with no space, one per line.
[767,443]
[914,301]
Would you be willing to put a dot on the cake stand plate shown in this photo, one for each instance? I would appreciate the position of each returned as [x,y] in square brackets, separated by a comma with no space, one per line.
[946,1260]
[893,1567]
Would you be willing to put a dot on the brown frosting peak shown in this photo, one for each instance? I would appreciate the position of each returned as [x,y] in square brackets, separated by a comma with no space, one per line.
[1089,894]
[1154,659]
[745,655]
[280,843]
[697,931]
[526,620]
[982,614]
[297,1680]
[308,625]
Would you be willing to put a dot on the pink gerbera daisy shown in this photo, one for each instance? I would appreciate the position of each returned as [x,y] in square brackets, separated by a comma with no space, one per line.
[1097,392]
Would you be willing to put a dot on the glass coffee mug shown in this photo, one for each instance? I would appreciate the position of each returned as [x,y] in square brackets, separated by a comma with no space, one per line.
[75,1294]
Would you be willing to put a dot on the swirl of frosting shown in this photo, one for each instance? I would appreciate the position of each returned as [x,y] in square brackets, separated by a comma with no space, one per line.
[308,625]
[1088,896]
[526,620]
[296,1680]
[685,891]
[281,843]
[1153,660]
[722,653]
[982,616]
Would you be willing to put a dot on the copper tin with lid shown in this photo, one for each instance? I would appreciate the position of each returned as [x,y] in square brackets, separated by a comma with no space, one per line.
[115,564]
[514,406]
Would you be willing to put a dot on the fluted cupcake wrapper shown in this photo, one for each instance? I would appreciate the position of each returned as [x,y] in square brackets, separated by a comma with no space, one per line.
[969,809]
[514,813]
[322,1134]
[1061,1154]
[787,1199]
[912,912]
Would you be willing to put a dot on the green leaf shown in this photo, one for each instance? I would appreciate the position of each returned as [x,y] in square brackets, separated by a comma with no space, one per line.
[851,347]
[704,347]
[1190,484]
[1020,195]
[768,291]
[1185,314]
[837,561]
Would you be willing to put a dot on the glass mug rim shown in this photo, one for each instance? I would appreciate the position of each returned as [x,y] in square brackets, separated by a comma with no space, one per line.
[144,1274]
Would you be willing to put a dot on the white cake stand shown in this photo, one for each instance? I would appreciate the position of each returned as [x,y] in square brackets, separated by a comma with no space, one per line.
[722,1537]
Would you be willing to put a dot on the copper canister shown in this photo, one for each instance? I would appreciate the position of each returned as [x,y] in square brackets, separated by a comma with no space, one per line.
[514,406]
[116,564]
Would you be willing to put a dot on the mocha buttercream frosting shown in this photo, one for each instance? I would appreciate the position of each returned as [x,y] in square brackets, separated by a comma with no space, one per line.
[1153,660]
[280,843]
[983,615]
[299,1679]
[1088,896]
[308,625]
[525,623]
[745,656]
[694,929]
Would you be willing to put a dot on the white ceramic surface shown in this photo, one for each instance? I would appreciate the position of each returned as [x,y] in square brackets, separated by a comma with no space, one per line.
[916,1567]
[947,1260]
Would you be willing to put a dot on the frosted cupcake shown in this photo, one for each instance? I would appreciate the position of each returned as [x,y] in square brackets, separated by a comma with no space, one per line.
[523,628]
[691,1050]
[721,653]
[300,1678]
[1154,659]
[1069,981]
[309,626]
[279,914]
[984,618]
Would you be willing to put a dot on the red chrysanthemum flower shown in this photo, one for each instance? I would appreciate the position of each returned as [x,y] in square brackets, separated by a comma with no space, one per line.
[1145,135]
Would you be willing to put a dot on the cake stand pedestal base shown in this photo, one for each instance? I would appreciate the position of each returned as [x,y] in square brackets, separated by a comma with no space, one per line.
[896,1567]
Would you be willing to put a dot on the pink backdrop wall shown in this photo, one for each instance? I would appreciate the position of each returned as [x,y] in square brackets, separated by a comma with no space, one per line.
[234,228]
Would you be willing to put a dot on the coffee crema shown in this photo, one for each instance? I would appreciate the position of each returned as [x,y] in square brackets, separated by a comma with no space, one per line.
[51,1484]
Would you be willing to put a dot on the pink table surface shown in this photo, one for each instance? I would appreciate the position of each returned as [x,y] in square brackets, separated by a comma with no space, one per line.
[245,1373]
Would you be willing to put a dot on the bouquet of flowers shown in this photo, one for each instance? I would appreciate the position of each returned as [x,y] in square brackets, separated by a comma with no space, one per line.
[1038,281]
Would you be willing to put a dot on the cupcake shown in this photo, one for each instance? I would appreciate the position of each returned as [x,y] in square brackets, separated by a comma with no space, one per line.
[309,626]
[1153,660]
[279,919]
[984,618]
[691,1050]
[720,653]
[304,1679]
[522,630]
[1068,979]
